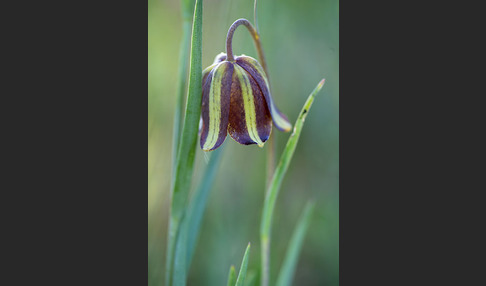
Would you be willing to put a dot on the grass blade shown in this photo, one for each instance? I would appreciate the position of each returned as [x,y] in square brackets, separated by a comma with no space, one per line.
[186,152]
[232,276]
[287,269]
[243,267]
[272,192]
[187,11]
[197,203]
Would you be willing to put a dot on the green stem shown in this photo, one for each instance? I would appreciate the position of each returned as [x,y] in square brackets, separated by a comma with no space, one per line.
[273,190]
[270,160]
[287,270]
[265,255]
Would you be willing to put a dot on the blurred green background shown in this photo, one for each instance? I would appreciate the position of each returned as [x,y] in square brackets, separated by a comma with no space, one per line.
[301,44]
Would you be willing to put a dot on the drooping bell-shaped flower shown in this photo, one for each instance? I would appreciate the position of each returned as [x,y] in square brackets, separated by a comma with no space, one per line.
[236,99]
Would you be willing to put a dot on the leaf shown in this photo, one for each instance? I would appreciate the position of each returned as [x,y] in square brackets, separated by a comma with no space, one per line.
[181,90]
[187,13]
[197,204]
[185,156]
[232,276]
[276,182]
[243,267]
[289,264]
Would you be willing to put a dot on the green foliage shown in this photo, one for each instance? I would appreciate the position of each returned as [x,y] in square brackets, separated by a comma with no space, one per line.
[243,267]
[287,269]
[181,90]
[198,201]
[232,276]
[276,182]
[175,262]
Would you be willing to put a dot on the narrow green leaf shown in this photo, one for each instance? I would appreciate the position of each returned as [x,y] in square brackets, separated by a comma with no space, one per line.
[276,182]
[287,269]
[232,276]
[185,154]
[187,8]
[181,90]
[243,267]
[197,203]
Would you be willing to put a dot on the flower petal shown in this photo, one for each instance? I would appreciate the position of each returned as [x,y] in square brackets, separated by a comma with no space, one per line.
[215,106]
[219,58]
[252,66]
[249,119]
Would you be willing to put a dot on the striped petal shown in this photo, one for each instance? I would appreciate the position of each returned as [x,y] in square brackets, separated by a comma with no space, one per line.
[215,106]
[206,72]
[219,58]
[251,66]
[249,119]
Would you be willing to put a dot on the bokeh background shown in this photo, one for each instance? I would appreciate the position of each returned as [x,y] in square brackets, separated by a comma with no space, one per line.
[301,44]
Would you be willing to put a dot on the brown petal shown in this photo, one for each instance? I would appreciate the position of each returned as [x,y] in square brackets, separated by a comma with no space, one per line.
[215,106]
[251,66]
[249,119]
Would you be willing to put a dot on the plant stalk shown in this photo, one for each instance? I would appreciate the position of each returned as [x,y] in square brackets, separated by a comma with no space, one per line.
[273,190]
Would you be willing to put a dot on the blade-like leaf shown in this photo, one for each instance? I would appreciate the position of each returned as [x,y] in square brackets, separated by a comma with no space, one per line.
[181,87]
[243,267]
[185,155]
[287,269]
[276,182]
[197,204]
[231,276]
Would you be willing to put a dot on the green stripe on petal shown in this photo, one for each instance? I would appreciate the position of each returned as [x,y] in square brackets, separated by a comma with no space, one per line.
[249,105]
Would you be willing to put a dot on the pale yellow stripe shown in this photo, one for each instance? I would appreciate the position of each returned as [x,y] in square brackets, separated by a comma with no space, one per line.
[208,69]
[279,120]
[249,105]
[214,108]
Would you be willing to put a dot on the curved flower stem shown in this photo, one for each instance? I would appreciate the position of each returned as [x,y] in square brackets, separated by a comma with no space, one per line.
[256,40]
